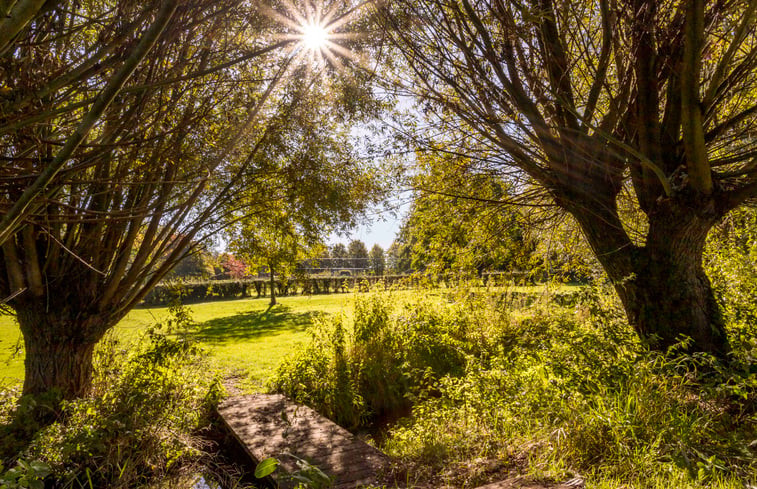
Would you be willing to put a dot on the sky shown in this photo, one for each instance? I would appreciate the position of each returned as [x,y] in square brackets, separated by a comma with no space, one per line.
[381,230]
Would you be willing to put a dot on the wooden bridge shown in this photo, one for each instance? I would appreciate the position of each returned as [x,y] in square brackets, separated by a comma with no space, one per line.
[272,426]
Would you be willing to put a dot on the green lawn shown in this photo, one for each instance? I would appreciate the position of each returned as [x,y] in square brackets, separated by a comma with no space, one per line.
[246,337]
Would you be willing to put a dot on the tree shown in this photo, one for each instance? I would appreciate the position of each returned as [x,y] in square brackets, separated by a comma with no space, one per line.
[277,246]
[129,129]
[196,265]
[595,100]
[232,267]
[312,136]
[377,260]
[398,255]
[339,256]
[448,230]
[357,254]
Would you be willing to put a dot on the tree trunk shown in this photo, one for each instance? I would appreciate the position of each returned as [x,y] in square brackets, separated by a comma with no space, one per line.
[58,353]
[665,292]
[273,286]
[670,299]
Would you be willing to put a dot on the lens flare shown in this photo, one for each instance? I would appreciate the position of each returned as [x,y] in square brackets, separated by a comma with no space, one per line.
[314,36]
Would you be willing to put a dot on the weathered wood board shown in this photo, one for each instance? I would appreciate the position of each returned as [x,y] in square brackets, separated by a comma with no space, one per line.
[272,426]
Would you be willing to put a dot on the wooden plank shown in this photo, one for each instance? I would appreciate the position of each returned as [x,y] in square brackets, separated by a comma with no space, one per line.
[272,426]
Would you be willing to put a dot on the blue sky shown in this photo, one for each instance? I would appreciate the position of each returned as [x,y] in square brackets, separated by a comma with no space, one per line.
[381,230]
[380,233]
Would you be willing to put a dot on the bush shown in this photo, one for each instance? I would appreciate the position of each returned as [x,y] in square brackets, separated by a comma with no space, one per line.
[198,291]
[374,367]
[137,425]
[730,260]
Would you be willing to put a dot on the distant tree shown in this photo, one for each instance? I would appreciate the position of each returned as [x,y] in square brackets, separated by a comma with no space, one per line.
[394,256]
[339,256]
[377,260]
[197,264]
[277,247]
[357,254]
[232,267]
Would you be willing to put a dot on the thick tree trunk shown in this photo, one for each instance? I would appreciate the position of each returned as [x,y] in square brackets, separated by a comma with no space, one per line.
[670,298]
[664,290]
[58,353]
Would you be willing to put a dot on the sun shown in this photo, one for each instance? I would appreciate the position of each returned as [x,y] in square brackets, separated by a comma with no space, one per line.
[314,36]
[316,30]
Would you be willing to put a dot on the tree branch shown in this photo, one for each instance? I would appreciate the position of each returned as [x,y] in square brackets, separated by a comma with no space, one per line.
[12,219]
[691,109]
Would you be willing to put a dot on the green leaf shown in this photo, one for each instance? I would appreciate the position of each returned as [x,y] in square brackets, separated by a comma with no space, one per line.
[41,469]
[266,467]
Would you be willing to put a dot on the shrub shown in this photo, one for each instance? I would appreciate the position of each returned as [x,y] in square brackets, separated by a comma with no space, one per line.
[373,367]
[198,291]
[730,260]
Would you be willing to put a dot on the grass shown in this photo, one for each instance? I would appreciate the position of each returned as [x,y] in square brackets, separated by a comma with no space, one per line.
[546,391]
[245,337]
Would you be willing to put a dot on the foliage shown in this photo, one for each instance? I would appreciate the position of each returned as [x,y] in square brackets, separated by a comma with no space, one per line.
[313,137]
[266,467]
[25,475]
[306,476]
[338,254]
[197,265]
[356,372]
[564,392]
[232,267]
[201,291]
[731,262]
[448,230]
[138,424]
[495,382]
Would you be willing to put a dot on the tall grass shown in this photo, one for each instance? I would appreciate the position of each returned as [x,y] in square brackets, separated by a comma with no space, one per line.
[542,389]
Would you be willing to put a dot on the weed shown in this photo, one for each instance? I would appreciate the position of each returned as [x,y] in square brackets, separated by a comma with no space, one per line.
[572,391]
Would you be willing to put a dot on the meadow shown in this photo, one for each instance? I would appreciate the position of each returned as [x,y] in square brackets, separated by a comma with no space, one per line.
[246,338]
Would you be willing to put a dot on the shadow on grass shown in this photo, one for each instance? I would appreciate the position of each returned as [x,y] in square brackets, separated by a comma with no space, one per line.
[254,324]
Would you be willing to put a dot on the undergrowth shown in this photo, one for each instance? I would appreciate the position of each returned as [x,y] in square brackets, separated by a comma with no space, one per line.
[551,391]
[138,424]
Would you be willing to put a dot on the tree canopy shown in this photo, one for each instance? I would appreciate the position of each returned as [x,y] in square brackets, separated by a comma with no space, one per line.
[595,102]
[131,131]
